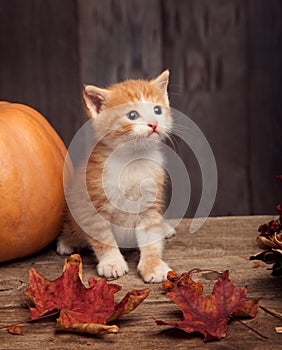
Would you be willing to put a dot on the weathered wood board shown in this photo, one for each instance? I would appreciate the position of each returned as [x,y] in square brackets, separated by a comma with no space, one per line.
[265,95]
[224,58]
[222,243]
[39,60]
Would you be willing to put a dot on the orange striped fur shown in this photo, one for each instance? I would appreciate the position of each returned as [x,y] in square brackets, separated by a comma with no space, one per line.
[124,171]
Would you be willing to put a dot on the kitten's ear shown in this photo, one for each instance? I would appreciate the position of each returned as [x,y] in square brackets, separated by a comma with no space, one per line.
[162,82]
[94,98]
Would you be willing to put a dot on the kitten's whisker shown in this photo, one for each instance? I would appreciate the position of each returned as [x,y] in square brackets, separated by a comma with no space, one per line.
[169,138]
[182,129]
[180,125]
[172,141]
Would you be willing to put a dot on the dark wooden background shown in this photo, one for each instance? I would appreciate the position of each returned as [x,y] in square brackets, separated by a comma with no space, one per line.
[225,58]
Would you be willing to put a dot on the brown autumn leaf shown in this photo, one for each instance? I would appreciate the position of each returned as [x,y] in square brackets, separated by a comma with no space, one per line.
[16,330]
[80,309]
[208,315]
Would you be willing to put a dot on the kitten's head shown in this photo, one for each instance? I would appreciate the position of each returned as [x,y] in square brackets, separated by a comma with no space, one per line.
[134,109]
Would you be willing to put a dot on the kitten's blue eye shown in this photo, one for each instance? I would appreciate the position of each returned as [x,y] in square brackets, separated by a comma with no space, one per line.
[158,110]
[132,115]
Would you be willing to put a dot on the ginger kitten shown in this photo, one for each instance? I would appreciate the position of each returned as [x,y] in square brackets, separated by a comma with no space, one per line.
[124,179]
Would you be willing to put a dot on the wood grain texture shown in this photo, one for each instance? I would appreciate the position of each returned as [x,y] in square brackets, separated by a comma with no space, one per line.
[205,47]
[224,58]
[222,243]
[265,80]
[119,40]
[39,59]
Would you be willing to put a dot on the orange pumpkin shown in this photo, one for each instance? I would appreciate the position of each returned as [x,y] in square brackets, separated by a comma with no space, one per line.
[32,157]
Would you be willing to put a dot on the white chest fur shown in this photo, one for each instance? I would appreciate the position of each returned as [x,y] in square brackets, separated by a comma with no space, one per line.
[130,179]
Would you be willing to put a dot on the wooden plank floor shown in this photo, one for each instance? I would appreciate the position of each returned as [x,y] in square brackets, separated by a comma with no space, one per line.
[222,243]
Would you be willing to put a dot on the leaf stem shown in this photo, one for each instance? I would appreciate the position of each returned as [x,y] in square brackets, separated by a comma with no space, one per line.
[271,312]
[51,314]
[249,327]
[204,270]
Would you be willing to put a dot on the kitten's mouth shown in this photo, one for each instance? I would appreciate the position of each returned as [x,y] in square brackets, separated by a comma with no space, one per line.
[153,132]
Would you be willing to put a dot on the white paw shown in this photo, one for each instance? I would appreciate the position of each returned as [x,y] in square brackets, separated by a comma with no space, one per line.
[168,230]
[154,274]
[112,267]
[64,249]
[171,233]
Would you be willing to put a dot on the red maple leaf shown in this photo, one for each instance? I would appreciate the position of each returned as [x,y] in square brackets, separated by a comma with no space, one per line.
[80,309]
[208,315]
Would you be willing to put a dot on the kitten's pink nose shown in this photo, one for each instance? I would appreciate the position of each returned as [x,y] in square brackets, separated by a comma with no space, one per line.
[153,126]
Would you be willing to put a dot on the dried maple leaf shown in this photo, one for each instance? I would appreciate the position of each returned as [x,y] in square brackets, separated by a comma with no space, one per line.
[81,309]
[209,315]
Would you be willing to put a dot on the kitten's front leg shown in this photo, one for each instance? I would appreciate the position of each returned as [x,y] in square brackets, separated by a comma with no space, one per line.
[111,262]
[151,266]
